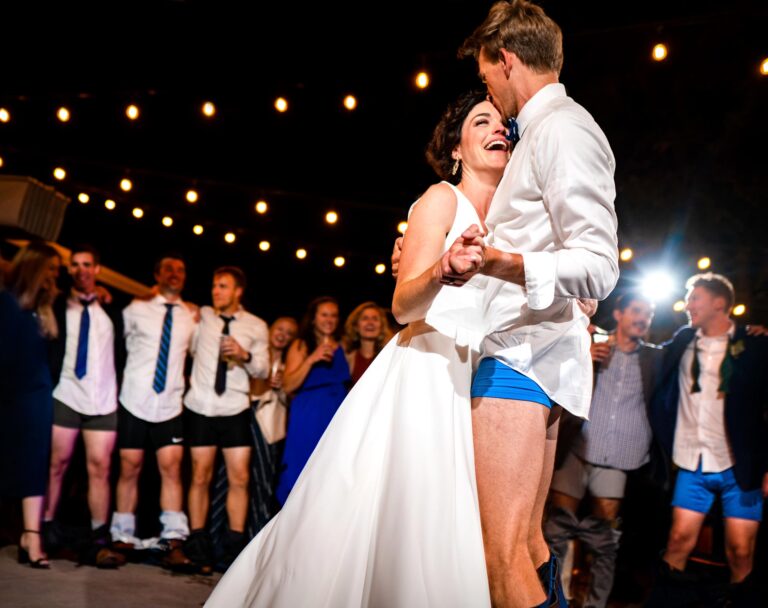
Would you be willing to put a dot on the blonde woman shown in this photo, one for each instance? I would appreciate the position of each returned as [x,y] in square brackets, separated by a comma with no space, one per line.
[366,331]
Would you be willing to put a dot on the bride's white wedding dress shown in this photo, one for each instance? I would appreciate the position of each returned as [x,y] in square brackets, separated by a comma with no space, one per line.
[385,512]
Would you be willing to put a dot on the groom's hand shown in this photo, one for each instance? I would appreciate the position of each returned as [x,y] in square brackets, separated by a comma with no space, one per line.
[464,258]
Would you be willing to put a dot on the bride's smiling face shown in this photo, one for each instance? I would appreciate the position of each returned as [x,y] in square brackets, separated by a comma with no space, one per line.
[484,147]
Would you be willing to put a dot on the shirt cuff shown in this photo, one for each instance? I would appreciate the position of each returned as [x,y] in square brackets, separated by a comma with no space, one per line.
[539,269]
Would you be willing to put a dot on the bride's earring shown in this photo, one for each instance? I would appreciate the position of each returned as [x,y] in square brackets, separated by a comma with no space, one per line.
[455,168]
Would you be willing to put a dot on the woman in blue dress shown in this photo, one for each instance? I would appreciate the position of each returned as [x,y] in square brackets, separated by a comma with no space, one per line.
[317,373]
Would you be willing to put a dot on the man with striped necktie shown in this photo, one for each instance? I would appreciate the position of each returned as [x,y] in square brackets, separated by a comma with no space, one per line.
[158,333]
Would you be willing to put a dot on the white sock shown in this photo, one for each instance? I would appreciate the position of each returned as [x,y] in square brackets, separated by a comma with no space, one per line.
[175,525]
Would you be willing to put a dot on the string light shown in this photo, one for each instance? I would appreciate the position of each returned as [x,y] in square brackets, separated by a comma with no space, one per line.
[5,115]
[350,102]
[704,263]
[422,80]
[402,227]
[380,269]
[230,237]
[626,254]
[660,52]
[110,204]
[301,254]
[83,198]
[197,229]
[126,185]
[739,310]
[138,213]
[331,217]
[261,207]
[132,112]
[167,221]
[678,306]
[264,245]
[192,196]
[281,105]
[209,109]
[764,67]
[59,173]
[1,161]
[339,261]
[63,114]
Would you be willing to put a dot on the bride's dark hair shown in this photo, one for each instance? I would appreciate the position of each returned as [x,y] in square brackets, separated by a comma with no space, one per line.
[447,135]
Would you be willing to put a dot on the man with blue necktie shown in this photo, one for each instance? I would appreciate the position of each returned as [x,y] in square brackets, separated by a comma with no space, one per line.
[86,359]
[158,332]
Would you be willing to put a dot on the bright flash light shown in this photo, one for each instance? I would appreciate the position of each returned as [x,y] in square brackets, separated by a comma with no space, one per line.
[402,227]
[83,198]
[281,104]
[126,185]
[132,112]
[197,229]
[1,161]
[339,261]
[264,245]
[192,196]
[739,310]
[261,207]
[626,254]
[764,67]
[660,52]
[167,221]
[209,109]
[331,217]
[301,253]
[350,102]
[380,269]
[63,114]
[110,204]
[704,263]
[5,115]
[59,173]
[422,80]
[230,237]
[679,306]
[658,286]
[138,213]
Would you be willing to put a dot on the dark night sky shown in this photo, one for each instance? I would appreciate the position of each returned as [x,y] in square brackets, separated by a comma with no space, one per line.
[688,134]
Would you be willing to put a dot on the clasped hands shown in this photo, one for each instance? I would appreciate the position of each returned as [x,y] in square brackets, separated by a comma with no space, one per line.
[464,258]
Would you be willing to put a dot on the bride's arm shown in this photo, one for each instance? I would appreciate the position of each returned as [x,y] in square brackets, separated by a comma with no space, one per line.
[419,271]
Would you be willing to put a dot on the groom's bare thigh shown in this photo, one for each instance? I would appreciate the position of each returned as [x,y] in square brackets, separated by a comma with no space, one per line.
[509,440]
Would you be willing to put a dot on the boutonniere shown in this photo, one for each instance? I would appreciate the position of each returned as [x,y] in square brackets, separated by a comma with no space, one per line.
[737,348]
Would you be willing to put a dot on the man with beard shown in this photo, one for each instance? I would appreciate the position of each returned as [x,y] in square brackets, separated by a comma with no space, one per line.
[158,332]
[616,439]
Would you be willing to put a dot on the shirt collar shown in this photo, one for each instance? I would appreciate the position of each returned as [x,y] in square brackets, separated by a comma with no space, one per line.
[159,299]
[75,295]
[731,332]
[537,103]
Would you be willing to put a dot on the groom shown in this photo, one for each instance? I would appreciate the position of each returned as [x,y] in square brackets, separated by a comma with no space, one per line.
[552,239]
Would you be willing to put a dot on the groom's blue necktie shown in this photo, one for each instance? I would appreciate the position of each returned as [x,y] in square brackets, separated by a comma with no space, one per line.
[513,134]
[161,368]
[81,363]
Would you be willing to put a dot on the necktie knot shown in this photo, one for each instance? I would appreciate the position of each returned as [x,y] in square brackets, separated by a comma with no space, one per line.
[513,132]
[85,303]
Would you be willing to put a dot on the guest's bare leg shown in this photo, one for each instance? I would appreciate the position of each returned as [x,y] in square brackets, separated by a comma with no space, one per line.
[98,453]
[238,462]
[740,539]
[169,463]
[203,458]
[509,440]
[62,446]
[32,516]
[127,494]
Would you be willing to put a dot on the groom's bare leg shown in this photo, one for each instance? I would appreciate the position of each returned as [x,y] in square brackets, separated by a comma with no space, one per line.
[509,440]
[537,546]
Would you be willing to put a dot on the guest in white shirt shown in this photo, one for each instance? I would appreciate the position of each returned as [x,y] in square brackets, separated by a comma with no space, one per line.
[84,359]
[230,347]
[552,235]
[158,333]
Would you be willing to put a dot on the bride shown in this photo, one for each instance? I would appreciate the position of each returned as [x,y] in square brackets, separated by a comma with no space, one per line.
[385,513]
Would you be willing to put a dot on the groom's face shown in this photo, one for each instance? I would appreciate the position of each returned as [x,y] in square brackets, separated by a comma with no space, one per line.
[495,77]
